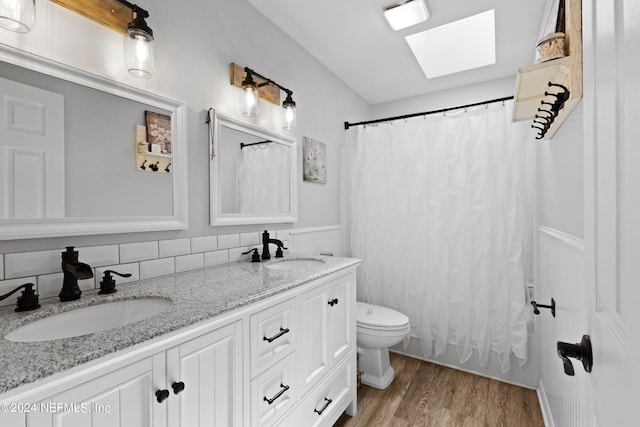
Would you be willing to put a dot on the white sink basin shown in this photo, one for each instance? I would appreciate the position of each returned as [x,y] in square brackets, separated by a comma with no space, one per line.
[88,320]
[295,264]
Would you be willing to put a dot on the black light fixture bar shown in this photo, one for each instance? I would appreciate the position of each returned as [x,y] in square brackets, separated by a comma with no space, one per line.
[137,9]
[267,80]
[347,125]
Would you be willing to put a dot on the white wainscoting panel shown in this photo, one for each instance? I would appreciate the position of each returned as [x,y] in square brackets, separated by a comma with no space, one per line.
[561,276]
[317,240]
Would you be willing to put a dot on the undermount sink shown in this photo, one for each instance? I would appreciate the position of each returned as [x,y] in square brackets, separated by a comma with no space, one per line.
[295,264]
[88,320]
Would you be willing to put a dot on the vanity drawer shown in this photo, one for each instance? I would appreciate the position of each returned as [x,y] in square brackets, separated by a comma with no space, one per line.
[273,393]
[326,402]
[272,336]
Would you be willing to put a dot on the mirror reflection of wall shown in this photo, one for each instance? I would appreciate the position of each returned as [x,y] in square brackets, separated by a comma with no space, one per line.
[255,173]
[101,178]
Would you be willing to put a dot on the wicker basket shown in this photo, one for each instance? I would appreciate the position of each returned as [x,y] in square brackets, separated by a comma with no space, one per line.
[552,46]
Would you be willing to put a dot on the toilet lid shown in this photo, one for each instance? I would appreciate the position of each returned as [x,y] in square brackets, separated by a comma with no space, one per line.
[382,317]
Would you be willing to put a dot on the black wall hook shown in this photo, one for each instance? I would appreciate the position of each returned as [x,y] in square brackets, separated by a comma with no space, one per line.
[142,166]
[154,166]
[537,307]
[167,168]
[554,107]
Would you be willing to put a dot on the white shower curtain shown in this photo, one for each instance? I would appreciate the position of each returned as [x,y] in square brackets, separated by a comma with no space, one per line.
[441,218]
[263,179]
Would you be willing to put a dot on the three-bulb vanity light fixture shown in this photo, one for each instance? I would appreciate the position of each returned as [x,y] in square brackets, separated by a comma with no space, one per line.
[252,95]
[139,48]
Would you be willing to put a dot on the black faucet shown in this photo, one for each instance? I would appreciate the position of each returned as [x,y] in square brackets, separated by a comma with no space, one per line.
[265,246]
[73,271]
[28,300]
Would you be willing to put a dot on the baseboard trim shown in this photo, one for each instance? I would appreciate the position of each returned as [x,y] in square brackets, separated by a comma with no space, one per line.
[544,405]
[470,371]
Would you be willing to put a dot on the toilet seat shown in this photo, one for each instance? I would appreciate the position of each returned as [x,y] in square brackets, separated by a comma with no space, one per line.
[376,318]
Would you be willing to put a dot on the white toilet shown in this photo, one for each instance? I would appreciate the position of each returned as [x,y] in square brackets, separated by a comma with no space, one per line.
[378,328]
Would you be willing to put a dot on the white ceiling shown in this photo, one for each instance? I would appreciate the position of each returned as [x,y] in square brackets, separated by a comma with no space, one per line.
[353,40]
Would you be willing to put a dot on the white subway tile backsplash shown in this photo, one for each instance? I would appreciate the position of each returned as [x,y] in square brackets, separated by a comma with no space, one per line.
[216,258]
[156,267]
[248,239]
[189,262]
[98,256]
[174,247]
[227,241]
[7,286]
[49,285]
[31,263]
[133,269]
[131,252]
[204,244]
[235,254]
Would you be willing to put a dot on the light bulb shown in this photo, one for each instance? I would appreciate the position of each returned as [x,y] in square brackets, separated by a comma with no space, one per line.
[251,101]
[17,15]
[140,54]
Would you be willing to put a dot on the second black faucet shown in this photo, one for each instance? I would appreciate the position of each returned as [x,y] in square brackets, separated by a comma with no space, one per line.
[265,246]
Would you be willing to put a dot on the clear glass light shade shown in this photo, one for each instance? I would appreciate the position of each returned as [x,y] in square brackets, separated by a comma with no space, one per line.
[18,15]
[139,53]
[251,100]
[289,116]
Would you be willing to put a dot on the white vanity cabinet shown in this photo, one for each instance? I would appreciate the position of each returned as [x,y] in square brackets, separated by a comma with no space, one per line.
[288,359]
[204,377]
[198,382]
[327,328]
[121,398]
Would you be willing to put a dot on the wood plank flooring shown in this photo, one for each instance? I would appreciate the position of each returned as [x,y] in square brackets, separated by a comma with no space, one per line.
[425,394]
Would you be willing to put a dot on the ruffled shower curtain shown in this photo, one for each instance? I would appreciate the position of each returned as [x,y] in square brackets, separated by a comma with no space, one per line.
[441,218]
[263,179]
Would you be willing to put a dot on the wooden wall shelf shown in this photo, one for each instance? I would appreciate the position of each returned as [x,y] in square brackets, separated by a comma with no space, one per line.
[531,81]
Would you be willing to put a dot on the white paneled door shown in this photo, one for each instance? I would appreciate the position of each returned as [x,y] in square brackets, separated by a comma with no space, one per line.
[31,152]
[612,207]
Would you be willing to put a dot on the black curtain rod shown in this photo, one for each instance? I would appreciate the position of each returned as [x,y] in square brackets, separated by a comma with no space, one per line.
[242,144]
[347,125]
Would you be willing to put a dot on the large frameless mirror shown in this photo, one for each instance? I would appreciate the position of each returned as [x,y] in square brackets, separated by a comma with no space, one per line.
[82,154]
[252,174]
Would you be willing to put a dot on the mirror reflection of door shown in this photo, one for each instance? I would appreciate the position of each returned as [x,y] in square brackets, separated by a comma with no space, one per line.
[32,181]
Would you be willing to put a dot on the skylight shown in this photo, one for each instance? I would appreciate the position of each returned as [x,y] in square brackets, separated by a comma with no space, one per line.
[458,46]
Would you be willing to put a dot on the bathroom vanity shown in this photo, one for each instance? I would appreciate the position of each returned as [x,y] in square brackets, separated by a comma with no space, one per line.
[242,344]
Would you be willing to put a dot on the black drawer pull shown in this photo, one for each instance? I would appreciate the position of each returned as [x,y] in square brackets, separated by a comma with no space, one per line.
[280,393]
[177,387]
[162,395]
[276,336]
[327,402]
[333,302]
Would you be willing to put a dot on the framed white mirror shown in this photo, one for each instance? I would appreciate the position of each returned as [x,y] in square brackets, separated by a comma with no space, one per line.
[252,174]
[73,146]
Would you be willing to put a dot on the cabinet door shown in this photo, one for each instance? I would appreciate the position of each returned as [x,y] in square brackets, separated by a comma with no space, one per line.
[210,367]
[313,351]
[122,398]
[341,321]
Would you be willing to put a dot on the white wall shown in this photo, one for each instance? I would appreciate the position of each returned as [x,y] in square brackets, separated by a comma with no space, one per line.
[195,42]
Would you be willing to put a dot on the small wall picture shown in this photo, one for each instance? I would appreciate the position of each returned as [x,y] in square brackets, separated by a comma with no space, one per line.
[159,130]
[314,160]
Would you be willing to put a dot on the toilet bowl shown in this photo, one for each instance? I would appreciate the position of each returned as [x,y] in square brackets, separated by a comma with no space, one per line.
[377,329]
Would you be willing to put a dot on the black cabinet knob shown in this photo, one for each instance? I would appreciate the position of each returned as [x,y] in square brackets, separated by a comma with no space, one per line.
[177,387]
[162,395]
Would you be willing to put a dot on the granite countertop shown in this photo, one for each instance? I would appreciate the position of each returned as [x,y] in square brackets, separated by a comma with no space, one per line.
[196,295]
